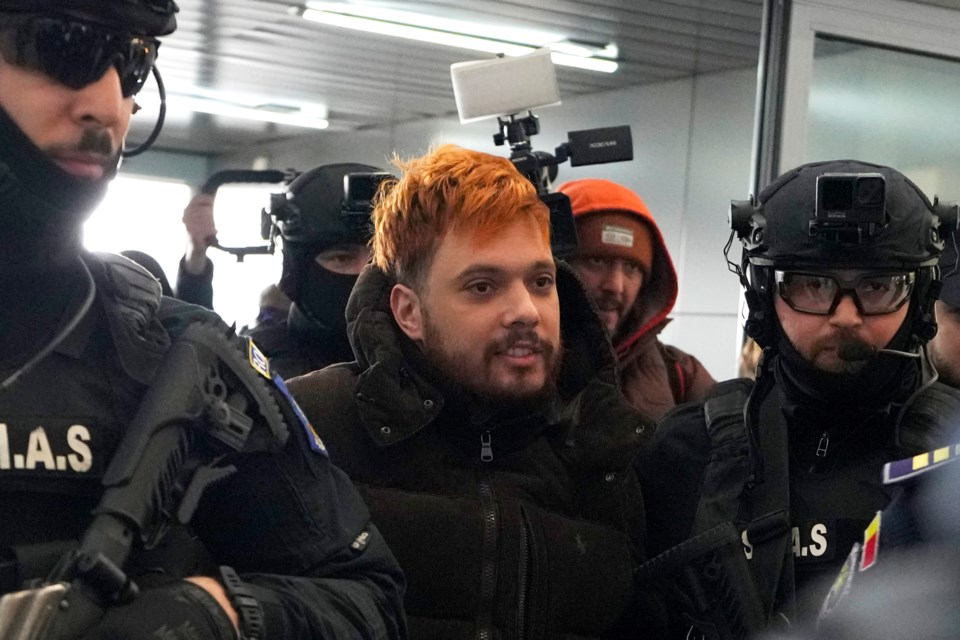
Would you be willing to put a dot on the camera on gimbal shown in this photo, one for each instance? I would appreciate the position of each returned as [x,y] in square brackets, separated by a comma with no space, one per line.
[356,205]
[505,87]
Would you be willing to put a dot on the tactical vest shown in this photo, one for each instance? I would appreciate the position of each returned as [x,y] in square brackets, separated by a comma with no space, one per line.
[61,422]
[759,507]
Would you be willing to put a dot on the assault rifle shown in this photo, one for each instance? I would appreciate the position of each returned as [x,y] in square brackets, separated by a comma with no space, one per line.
[205,404]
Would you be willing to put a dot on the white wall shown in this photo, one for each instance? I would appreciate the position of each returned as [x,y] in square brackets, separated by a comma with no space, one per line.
[692,146]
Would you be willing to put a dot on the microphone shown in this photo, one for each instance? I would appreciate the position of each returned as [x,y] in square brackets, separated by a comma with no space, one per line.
[902,354]
[857,351]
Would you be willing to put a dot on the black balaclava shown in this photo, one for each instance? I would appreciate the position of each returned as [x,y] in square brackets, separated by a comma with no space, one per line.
[317,317]
[314,222]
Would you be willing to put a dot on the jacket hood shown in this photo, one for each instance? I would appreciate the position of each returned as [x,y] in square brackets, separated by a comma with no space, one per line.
[594,197]
[400,393]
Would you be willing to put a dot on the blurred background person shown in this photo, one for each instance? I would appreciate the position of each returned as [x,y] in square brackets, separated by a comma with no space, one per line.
[627,270]
[195,276]
[749,359]
[944,349]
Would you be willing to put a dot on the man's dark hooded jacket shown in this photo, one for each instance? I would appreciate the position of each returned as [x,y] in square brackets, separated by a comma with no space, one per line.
[507,526]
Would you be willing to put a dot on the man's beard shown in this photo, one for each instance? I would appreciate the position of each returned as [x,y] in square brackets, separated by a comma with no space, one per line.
[459,368]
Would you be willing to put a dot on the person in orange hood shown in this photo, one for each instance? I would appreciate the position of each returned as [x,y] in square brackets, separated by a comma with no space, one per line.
[626,268]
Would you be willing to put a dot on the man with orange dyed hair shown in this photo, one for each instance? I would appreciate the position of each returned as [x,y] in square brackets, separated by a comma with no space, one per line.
[481,419]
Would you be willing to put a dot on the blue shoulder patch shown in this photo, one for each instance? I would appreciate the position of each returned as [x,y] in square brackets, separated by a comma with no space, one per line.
[316,444]
[259,362]
[900,470]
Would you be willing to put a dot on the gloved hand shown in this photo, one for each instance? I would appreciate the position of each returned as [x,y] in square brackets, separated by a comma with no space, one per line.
[177,611]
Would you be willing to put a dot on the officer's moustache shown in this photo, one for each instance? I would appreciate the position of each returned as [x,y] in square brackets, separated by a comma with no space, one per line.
[855,351]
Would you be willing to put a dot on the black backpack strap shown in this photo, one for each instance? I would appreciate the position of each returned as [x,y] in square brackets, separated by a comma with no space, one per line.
[131,298]
[732,492]
[765,507]
[728,468]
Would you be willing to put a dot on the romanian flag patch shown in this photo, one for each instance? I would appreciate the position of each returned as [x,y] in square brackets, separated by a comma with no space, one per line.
[871,542]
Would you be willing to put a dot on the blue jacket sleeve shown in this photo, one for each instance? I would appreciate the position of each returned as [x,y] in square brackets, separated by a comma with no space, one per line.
[297,531]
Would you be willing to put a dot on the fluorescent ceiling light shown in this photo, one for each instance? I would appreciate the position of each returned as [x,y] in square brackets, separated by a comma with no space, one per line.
[410,32]
[460,34]
[590,64]
[293,116]
[437,23]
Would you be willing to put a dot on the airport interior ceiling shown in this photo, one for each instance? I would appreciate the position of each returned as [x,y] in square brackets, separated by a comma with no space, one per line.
[320,60]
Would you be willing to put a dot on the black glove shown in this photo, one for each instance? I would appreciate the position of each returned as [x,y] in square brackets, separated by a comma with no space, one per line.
[177,611]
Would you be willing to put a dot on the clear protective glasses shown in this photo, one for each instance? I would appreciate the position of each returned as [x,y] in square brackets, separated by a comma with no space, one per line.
[874,293]
[76,53]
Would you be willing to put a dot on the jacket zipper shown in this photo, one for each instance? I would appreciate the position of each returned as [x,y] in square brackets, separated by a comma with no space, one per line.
[823,445]
[486,447]
[488,565]
[525,553]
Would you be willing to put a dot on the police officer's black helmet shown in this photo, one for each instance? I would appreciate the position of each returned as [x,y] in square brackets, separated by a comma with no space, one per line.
[840,214]
[138,17]
[314,215]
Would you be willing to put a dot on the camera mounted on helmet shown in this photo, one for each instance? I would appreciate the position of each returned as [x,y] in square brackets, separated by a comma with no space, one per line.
[851,207]
[846,215]
[328,205]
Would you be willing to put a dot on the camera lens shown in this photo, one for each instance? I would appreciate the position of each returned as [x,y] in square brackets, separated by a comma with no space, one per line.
[870,191]
[837,194]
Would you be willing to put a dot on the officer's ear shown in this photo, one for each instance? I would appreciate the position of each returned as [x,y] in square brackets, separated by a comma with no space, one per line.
[405,304]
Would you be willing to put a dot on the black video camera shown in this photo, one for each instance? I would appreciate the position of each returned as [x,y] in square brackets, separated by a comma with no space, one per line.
[850,206]
[359,192]
[360,189]
[590,146]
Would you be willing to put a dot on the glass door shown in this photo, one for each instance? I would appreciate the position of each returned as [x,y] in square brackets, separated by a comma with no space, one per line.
[875,80]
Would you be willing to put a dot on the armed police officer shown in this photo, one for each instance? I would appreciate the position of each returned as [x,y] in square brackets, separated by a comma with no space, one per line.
[324,221]
[325,246]
[82,339]
[840,270]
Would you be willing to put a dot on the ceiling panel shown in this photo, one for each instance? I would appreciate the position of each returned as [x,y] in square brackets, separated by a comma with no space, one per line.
[263,49]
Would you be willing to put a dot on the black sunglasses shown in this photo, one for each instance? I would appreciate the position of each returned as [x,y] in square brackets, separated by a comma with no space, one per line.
[820,293]
[74,53]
